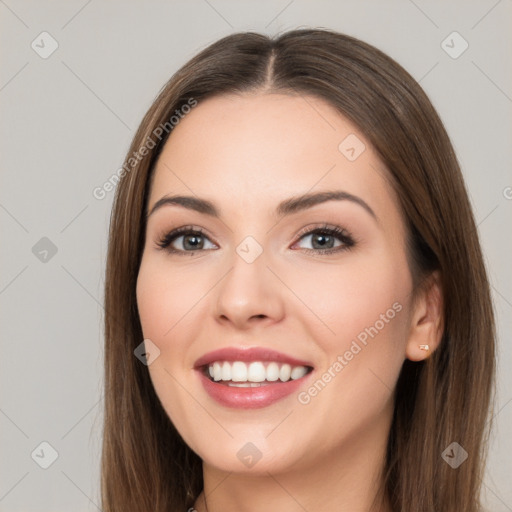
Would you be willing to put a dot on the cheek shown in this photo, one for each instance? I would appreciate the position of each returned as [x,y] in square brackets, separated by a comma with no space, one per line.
[368,312]
[165,301]
[165,297]
[152,302]
[364,304]
[355,295]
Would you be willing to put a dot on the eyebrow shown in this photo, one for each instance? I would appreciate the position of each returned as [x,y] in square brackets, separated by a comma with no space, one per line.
[286,207]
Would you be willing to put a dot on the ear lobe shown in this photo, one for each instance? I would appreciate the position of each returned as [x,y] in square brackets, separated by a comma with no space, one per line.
[427,320]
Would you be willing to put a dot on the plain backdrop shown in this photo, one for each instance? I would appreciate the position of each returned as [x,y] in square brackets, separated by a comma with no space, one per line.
[67,119]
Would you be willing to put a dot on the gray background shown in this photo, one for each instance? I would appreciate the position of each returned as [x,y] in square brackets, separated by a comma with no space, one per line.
[67,121]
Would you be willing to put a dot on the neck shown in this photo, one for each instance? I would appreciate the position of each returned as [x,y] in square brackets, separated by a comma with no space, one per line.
[348,478]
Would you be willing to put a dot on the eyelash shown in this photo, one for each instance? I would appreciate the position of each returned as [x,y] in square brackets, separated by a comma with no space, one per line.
[342,234]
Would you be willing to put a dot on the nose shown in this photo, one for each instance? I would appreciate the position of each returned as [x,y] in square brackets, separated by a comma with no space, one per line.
[250,294]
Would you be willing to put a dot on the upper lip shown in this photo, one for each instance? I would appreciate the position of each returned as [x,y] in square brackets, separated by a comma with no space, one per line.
[248,354]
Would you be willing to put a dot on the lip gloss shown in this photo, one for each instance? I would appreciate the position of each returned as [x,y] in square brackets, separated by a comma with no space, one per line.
[250,397]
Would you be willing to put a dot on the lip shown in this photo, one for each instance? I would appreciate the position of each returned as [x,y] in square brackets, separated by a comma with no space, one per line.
[249,398]
[248,355]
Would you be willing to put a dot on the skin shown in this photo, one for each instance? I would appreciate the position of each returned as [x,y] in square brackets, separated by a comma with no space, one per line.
[246,153]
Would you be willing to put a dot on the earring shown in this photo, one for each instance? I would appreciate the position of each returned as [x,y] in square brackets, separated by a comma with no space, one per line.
[424,347]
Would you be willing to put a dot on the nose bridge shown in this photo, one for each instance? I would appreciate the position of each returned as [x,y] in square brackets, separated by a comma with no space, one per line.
[248,290]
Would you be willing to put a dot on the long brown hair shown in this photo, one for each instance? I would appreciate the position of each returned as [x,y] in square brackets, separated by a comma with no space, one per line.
[146,466]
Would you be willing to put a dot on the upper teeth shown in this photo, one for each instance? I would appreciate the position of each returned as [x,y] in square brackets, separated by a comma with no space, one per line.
[238,371]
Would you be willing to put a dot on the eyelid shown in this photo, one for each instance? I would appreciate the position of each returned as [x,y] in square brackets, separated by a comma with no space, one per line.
[164,241]
[343,235]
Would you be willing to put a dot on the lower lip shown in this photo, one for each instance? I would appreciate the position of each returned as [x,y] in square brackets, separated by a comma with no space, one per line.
[250,398]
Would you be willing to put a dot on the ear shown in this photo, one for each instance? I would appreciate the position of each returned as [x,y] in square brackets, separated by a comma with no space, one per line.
[427,320]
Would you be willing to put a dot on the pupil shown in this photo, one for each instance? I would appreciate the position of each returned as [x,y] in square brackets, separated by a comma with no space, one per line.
[324,238]
[193,237]
[321,240]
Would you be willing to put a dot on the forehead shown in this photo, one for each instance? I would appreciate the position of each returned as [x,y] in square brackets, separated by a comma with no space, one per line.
[254,149]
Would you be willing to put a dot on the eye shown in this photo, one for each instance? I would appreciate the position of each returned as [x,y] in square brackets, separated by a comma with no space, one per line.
[189,238]
[324,239]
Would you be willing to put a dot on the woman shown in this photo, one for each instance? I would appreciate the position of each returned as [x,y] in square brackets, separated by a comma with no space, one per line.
[297,311]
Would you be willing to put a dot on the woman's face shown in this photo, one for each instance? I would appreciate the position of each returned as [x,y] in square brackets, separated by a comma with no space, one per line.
[256,278]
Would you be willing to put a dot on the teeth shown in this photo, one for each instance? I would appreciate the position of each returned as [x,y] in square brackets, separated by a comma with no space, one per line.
[217,371]
[272,372]
[285,372]
[237,372]
[298,372]
[254,374]
[226,371]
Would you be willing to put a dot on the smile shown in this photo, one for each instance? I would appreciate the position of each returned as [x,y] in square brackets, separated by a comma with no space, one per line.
[248,378]
[257,373]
